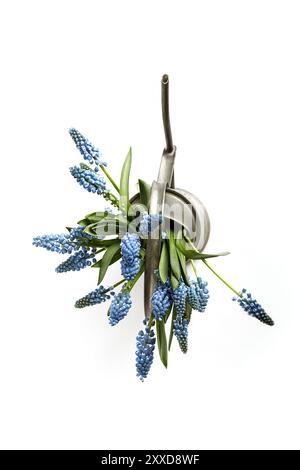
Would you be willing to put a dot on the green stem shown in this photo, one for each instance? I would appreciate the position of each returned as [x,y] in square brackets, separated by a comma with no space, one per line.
[194,267]
[221,279]
[110,178]
[150,321]
[111,198]
[118,283]
[191,243]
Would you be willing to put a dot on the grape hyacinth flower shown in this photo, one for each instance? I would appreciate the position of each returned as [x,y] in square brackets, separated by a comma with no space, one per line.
[180,330]
[253,308]
[197,295]
[149,224]
[129,271]
[92,182]
[97,296]
[145,345]
[130,250]
[79,260]
[86,148]
[62,243]
[180,324]
[130,246]
[59,243]
[161,300]
[179,297]
[119,308]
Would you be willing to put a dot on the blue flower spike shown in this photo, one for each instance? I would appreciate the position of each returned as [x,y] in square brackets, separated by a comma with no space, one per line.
[97,296]
[145,345]
[161,300]
[64,243]
[81,259]
[89,180]
[130,251]
[89,152]
[179,297]
[58,243]
[253,308]
[120,307]
[180,324]
[197,295]
[180,330]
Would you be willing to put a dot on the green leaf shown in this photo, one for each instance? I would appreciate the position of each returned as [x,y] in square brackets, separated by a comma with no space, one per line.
[212,255]
[188,312]
[97,264]
[174,261]
[174,282]
[184,273]
[164,263]
[99,278]
[90,229]
[97,216]
[115,258]
[144,192]
[105,229]
[83,222]
[171,329]
[107,259]
[124,183]
[162,342]
[99,243]
[166,316]
[110,225]
[92,218]
[191,252]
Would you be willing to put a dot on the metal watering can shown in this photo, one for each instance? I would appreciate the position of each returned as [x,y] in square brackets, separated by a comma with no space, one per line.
[190,213]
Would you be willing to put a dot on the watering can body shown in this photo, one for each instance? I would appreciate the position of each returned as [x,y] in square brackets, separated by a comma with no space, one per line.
[175,205]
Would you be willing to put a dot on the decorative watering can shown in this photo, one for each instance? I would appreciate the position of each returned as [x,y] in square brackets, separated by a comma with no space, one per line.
[190,213]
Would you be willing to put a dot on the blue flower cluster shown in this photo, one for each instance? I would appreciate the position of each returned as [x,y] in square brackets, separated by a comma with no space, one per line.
[145,345]
[62,243]
[253,308]
[197,295]
[180,330]
[97,296]
[179,297]
[161,300]
[59,243]
[149,224]
[180,324]
[89,180]
[130,250]
[81,259]
[86,148]
[119,308]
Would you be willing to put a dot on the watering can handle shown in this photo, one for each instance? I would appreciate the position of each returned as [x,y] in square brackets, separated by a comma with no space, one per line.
[158,190]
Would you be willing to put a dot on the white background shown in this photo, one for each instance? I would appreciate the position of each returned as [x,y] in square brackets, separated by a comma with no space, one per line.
[67,378]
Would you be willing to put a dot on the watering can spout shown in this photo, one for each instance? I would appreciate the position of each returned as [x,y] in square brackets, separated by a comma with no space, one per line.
[166,171]
[166,112]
